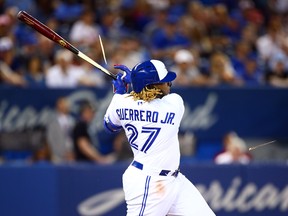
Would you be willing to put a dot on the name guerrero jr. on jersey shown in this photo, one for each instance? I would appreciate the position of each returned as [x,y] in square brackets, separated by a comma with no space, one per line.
[144,115]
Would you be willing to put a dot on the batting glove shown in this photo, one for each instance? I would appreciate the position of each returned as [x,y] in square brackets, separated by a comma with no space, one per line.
[127,73]
[119,85]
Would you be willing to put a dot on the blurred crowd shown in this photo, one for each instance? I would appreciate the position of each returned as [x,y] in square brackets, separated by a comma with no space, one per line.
[207,42]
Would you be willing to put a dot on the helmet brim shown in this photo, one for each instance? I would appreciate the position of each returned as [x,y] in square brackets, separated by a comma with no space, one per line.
[169,77]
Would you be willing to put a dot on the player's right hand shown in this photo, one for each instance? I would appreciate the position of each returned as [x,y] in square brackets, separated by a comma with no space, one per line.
[119,85]
[126,77]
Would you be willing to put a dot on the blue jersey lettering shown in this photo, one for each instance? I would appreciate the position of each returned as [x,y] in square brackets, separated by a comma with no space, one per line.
[137,115]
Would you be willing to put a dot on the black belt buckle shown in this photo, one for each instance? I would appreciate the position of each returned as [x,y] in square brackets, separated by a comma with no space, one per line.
[162,173]
[175,174]
[166,172]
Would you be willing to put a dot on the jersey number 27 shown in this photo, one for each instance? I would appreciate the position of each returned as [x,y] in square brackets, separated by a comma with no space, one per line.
[152,131]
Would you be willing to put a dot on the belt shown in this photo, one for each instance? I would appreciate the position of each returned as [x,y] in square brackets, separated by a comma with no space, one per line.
[161,173]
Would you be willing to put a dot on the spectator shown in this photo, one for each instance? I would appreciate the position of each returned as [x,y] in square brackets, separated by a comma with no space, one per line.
[46,48]
[187,71]
[222,71]
[272,41]
[245,63]
[68,11]
[249,13]
[168,39]
[43,10]
[159,17]
[63,74]
[279,6]
[111,24]
[28,5]
[249,36]
[6,23]
[85,32]
[277,72]
[25,39]
[224,30]
[252,75]
[59,132]
[85,150]
[136,15]
[242,52]
[91,76]
[235,150]
[35,74]
[10,73]
[130,51]
[195,24]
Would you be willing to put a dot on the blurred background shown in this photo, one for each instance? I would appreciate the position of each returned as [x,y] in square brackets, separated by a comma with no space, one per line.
[231,60]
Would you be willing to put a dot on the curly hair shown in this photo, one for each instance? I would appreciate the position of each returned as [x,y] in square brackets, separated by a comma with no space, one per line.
[147,94]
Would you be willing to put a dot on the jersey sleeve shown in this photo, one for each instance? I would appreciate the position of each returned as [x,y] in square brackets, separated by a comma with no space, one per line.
[177,102]
[111,121]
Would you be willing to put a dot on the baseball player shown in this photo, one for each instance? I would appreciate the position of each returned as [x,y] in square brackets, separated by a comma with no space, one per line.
[150,116]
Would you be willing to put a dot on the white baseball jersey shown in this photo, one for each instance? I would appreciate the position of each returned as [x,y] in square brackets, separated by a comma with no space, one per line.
[152,131]
[151,128]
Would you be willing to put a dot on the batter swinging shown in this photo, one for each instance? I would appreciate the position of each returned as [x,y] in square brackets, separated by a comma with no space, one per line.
[150,116]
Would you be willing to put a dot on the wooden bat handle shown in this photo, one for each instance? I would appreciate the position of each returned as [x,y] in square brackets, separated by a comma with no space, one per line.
[44,30]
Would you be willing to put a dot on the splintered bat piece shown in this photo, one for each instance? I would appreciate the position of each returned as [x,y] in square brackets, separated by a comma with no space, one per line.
[261,145]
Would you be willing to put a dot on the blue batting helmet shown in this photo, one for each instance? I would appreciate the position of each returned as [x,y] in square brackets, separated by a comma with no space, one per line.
[150,72]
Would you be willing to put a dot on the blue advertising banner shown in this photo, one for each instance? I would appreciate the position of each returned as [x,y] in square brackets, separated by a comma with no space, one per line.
[93,190]
[209,114]
[251,112]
